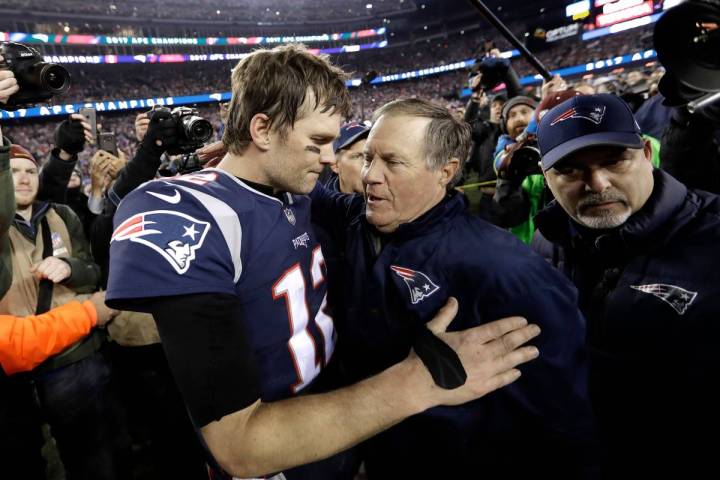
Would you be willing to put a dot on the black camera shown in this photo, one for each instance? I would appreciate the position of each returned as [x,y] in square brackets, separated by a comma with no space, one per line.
[38,80]
[493,70]
[522,160]
[687,40]
[193,130]
[179,164]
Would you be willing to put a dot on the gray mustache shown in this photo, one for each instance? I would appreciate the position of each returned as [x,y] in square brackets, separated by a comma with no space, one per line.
[593,199]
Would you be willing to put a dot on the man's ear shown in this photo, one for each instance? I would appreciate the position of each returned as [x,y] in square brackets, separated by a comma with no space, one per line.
[648,151]
[448,171]
[260,126]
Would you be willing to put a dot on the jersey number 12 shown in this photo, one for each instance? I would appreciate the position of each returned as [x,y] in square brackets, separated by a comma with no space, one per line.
[302,345]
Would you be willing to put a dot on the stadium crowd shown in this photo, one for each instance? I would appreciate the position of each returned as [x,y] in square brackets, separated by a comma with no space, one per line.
[282,11]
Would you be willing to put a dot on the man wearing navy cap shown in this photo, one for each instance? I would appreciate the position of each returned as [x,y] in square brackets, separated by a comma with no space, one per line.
[642,250]
[348,159]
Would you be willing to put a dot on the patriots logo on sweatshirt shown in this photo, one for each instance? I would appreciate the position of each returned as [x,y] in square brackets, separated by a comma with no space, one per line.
[678,298]
[418,283]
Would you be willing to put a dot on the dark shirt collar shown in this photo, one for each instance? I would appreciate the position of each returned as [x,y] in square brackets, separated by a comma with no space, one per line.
[645,225]
[448,207]
[29,228]
[266,189]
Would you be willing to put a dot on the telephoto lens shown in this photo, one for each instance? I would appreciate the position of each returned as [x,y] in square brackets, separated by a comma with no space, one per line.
[38,80]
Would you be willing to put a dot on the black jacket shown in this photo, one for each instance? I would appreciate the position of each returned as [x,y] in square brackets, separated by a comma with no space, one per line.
[484,138]
[690,150]
[650,290]
[139,170]
[393,284]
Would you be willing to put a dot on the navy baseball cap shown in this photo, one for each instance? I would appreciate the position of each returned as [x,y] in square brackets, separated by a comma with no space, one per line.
[586,121]
[349,134]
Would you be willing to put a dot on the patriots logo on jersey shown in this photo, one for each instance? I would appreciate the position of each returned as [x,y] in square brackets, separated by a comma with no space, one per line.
[593,114]
[677,297]
[174,235]
[418,283]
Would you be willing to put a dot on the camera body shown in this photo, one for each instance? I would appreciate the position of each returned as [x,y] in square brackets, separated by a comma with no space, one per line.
[493,72]
[522,160]
[193,130]
[38,80]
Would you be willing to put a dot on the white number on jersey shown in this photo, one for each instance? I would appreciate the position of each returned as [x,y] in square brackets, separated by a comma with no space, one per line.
[302,345]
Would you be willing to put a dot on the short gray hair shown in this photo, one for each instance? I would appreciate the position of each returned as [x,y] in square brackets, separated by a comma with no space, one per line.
[446,136]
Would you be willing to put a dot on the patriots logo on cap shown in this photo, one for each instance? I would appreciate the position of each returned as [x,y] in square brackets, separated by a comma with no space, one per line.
[418,283]
[174,235]
[678,298]
[594,114]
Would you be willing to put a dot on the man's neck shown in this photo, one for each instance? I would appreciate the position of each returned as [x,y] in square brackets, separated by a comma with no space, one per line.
[25,212]
[246,166]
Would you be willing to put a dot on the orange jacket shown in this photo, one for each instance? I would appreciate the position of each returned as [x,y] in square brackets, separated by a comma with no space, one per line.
[25,342]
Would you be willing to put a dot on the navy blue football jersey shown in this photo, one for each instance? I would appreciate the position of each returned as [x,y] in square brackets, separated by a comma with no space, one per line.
[209,232]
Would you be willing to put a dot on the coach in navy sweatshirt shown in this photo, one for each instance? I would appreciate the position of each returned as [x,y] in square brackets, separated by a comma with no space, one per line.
[642,250]
[409,244]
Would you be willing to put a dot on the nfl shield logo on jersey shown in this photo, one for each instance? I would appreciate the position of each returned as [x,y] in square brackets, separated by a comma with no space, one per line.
[174,235]
[289,215]
[418,283]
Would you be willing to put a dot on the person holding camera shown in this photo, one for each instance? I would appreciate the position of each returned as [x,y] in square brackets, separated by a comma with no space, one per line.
[482,113]
[517,191]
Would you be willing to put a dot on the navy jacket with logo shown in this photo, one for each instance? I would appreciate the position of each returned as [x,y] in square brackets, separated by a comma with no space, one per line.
[650,290]
[394,284]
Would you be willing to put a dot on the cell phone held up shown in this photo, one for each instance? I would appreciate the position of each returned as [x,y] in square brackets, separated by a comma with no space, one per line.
[108,142]
[91,118]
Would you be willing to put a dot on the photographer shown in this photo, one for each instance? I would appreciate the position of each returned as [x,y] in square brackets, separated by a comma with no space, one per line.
[482,113]
[520,188]
[70,136]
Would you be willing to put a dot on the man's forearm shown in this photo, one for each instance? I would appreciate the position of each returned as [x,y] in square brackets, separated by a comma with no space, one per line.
[138,171]
[279,435]
[55,176]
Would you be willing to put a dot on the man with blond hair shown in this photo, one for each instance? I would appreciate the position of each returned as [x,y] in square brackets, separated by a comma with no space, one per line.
[229,266]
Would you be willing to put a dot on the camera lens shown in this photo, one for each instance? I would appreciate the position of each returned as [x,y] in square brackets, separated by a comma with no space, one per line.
[198,129]
[54,78]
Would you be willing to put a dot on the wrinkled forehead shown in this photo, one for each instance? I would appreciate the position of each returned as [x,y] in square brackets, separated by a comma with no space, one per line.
[401,134]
